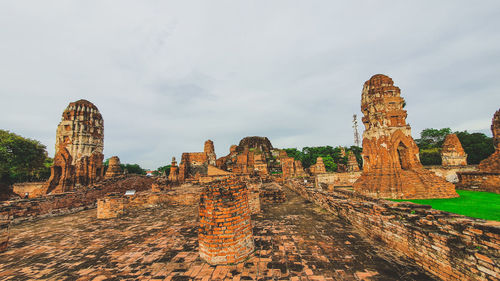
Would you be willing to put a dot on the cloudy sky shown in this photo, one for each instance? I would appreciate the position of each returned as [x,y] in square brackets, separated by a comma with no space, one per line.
[167,75]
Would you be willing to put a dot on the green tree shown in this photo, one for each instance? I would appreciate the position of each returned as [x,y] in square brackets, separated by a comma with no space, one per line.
[165,169]
[133,169]
[21,159]
[430,156]
[478,146]
[308,156]
[432,138]
[330,165]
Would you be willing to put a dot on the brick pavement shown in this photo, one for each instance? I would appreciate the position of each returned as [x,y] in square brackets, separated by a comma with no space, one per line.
[295,240]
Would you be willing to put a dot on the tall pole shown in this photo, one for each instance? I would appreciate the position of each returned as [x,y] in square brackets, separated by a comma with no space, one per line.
[355,127]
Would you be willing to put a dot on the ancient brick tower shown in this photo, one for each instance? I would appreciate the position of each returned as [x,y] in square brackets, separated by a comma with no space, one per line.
[391,166]
[453,153]
[492,163]
[114,168]
[319,167]
[352,163]
[210,151]
[225,233]
[173,176]
[79,146]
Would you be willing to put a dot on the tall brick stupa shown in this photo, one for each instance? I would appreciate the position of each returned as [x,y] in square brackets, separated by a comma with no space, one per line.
[391,164]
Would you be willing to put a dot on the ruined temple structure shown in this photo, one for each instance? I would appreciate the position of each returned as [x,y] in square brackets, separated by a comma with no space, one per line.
[318,168]
[225,232]
[492,163]
[391,165]
[195,164]
[114,168]
[210,151]
[252,156]
[352,163]
[79,146]
[173,176]
[488,176]
[291,167]
[452,153]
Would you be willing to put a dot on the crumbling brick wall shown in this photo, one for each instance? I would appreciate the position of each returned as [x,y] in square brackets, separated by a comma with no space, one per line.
[110,207]
[452,247]
[70,202]
[225,233]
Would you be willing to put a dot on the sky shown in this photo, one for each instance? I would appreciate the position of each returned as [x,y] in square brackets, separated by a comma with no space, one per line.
[168,75]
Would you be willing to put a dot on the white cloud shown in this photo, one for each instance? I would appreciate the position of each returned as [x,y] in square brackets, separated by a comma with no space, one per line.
[167,75]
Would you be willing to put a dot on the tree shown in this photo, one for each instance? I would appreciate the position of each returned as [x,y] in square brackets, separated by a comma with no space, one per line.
[21,159]
[133,169]
[165,169]
[432,138]
[330,165]
[478,146]
[430,156]
[308,156]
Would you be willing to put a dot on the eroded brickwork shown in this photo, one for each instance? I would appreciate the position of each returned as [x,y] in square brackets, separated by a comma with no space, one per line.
[391,165]
[318,168]
[114,169]
[110,207]
[225,234]
[352,163]
[194,165]
[492,163]
[291,167]
[452,247]
[453,153]
[252,156]
[173,176]
[79,146]
[488,176]
[64,203]
[329,181]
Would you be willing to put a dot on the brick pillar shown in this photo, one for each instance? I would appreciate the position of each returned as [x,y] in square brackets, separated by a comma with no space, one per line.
[225,233]
[110,207]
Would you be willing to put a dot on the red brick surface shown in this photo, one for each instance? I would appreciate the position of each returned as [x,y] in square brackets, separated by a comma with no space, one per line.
[225,234]
[452,247]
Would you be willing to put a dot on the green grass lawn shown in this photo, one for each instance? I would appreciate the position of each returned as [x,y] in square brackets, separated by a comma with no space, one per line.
[477,204]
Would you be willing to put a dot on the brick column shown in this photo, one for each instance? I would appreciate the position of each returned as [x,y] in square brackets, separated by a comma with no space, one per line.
[225,233]
[110,207]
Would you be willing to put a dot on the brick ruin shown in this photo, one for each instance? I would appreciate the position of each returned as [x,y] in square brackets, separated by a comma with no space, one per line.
[210,151]
[352,163]
[391,164]
[291,167]
[79,146]
[492,163]
[488,176]
[225,232]
[195,164]
[318,168]
[253,155]
[114,168]
[173,176]
[450,246]
[453,153]
[110,207]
